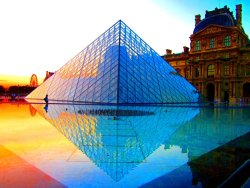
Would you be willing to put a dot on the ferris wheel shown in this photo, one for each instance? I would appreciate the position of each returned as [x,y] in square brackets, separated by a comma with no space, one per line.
[33,81]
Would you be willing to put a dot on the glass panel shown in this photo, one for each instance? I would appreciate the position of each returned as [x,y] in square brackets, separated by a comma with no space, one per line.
[118,67]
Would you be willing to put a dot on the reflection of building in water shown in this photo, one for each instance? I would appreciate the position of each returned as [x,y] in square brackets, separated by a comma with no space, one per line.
[198,136]
[117,145]
[214,167]
[117,68]
[210,163]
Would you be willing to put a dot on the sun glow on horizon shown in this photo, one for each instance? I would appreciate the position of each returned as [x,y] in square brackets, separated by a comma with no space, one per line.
[17,80]
[40,36]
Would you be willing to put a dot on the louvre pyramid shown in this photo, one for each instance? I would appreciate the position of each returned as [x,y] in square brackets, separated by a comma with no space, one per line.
[117,68]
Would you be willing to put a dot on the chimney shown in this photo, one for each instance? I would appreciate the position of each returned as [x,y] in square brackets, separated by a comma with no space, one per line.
[197,19]
[239,15]
[168,52]
[185,49]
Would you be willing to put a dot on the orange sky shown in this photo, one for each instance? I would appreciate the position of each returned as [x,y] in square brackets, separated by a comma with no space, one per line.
[35,44]
[14,80]
[40,36]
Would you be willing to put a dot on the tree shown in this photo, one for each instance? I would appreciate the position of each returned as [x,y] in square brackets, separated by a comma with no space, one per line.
[2,90]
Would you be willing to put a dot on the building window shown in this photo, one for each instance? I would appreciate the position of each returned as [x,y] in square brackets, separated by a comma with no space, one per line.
[210,70]
[248,70]
[198,45]
[197,72]
[227,55]
[227,41]
[212,43]
[226,70]
[197,58]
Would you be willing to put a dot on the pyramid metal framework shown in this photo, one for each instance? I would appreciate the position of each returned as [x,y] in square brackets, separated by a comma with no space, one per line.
[117,68]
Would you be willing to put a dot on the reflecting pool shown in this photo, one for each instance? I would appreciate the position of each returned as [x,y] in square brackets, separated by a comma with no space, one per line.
[59,145]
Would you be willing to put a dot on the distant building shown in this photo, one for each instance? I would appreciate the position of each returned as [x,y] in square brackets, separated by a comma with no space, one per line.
[33,81]
[218,62]
[48,74]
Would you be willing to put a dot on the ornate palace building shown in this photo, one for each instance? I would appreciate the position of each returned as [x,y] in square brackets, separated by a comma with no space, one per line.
[218,62]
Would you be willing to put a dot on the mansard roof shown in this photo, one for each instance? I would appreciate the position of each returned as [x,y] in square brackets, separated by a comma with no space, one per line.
[221,17]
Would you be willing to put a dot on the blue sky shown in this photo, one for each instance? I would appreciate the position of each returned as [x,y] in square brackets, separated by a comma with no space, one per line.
[40,35]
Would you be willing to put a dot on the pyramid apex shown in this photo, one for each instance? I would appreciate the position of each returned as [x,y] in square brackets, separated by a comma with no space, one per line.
[117,68]
[119,22]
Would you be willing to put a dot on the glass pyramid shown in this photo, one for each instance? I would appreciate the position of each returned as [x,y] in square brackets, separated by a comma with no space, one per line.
[117,68]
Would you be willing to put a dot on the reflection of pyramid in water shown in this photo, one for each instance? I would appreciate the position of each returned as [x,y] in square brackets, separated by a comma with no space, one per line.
[117,146]
[118,67]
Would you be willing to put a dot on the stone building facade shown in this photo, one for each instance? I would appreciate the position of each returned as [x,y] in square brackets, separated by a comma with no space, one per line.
[48,75]
[218,62]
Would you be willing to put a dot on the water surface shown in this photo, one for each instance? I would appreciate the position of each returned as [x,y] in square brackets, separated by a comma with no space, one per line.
[62,145]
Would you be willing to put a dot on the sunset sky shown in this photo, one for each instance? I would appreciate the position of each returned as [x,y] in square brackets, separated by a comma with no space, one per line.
[42,35]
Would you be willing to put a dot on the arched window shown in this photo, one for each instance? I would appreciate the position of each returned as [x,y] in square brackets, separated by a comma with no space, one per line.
[246,90]
[210,70]
[227,41]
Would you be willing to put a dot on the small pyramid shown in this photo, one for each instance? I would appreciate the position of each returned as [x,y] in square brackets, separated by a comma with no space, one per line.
[117,68]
